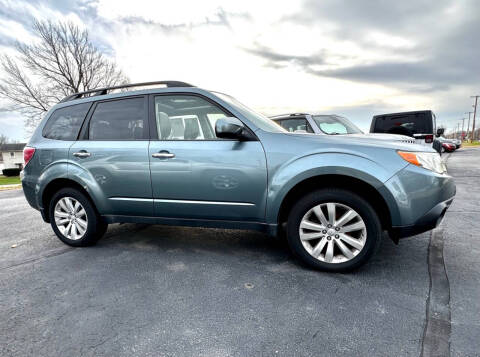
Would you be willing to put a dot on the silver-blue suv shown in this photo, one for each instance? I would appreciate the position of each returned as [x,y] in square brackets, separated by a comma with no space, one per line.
[180,155]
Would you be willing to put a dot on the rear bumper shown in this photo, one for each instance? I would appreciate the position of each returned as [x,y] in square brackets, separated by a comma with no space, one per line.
[427,222]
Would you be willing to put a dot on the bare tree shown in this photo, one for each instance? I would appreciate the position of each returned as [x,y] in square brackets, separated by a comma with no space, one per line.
[62,62]
[3,139]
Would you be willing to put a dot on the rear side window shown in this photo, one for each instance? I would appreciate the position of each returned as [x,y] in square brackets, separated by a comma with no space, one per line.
[296,125]
[65,123]
[406,124]
[122,119]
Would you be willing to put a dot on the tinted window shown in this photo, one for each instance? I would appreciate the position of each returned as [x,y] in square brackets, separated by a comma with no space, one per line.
[405,124]
[65,123]
[296,125]
[119,120]
[186,117]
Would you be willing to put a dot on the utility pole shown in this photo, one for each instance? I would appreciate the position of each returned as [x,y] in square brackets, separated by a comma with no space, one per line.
[461,135]
[468,125]
[474,115]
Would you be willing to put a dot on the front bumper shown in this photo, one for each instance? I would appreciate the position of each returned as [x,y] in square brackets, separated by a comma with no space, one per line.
[427,222]
[419,200]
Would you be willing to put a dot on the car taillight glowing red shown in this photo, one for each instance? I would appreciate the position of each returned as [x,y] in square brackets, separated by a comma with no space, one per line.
[27,154]
[428,139]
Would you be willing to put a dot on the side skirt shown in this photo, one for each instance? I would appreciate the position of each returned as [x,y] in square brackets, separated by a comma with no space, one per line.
[270,229]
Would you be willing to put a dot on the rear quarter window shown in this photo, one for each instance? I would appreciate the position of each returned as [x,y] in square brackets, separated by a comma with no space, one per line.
[65,123]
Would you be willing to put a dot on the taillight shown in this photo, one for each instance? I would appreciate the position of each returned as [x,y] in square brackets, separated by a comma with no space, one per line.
[27,154]
[429,139]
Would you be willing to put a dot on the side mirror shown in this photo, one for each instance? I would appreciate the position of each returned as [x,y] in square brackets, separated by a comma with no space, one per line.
[229,128]
[440,131]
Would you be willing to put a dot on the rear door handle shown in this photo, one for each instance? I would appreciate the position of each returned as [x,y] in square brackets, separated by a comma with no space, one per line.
[164,154]
[81,154]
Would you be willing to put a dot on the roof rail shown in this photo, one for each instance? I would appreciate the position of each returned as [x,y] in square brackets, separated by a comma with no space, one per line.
[288,115]
[104,91]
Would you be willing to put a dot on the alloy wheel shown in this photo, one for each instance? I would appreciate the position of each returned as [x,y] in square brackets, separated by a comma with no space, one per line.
[333,232]
[71,218]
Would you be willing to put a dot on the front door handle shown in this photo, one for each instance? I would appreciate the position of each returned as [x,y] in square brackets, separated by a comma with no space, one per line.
[81,154]
[164,154]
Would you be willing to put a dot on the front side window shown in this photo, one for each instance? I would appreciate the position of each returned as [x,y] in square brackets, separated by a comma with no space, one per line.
[186,117]
[335,125]
[122,119]
[65,123]
[298,125]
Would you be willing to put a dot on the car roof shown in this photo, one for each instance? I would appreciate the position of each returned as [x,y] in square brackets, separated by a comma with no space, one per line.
[129,93]
[286,116]
[402,113]
[300,115]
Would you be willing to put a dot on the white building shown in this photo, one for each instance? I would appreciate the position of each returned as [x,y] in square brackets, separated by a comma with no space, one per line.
[11,156]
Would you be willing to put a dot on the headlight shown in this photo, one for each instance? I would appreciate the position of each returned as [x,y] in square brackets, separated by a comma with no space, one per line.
[428,160]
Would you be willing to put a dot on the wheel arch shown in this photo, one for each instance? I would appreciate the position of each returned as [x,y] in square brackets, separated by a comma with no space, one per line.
[362,188]
[56,185]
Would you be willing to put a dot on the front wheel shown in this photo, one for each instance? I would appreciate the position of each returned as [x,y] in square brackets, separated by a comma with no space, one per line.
[333,230]
[74,218]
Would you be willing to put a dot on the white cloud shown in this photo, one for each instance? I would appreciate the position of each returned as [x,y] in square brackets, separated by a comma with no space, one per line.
[209,43]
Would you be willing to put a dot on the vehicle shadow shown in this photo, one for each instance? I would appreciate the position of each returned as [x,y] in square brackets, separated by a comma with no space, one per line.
[217,245]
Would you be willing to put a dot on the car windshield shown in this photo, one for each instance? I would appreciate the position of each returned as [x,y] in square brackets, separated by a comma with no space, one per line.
[258,119]
[335,125]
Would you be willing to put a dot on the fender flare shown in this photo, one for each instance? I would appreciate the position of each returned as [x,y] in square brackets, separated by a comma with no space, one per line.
[294,172]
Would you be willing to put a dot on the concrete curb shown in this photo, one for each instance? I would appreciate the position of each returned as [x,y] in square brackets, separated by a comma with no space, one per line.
[436,336]
[10,187]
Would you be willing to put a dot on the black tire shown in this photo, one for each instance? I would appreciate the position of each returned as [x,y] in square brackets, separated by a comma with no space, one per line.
[344,197]
[96,226]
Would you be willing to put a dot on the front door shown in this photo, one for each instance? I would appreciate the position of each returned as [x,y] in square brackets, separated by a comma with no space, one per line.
[112,156]
[197,175]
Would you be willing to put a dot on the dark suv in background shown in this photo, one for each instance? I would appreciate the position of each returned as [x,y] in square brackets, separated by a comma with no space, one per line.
[420,125]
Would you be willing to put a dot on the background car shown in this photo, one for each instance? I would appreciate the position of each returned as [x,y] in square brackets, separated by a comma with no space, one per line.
[330,124]
[448,145]
[420,125]
[457,142]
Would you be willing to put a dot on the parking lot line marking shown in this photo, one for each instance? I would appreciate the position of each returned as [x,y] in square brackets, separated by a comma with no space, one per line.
[436,336]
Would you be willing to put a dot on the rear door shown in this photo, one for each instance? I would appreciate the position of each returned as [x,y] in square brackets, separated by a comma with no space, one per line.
[194,173]
[112,156]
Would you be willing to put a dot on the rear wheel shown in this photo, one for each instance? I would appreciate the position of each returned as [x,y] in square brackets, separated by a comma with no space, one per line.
[74,218]
[333,230]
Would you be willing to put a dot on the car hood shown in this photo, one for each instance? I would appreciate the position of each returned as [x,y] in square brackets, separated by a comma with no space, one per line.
[357,140]
[388,137]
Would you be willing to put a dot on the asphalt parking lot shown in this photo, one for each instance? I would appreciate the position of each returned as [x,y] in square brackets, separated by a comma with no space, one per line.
[165,291]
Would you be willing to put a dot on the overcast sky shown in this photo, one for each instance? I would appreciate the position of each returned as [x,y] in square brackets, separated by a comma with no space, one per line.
[355,58]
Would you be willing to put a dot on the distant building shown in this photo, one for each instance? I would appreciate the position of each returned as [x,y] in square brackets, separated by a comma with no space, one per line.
[11,156]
